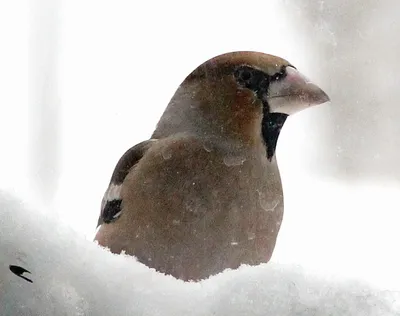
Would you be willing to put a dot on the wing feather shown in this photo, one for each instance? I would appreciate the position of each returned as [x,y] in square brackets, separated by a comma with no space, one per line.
[111,206]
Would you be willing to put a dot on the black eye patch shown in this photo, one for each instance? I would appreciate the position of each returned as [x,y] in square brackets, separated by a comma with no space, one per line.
[252,79]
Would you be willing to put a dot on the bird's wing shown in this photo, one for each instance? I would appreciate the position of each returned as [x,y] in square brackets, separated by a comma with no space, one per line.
[111,203]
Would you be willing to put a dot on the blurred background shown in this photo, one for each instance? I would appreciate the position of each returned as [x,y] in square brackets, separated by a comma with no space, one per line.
[82,81]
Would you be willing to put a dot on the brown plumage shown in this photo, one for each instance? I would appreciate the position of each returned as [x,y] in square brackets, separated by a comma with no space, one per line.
[204,194]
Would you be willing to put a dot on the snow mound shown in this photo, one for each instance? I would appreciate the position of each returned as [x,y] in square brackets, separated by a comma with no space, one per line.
[73,276]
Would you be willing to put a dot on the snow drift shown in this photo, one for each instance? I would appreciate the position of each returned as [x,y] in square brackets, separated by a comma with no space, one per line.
[73,276]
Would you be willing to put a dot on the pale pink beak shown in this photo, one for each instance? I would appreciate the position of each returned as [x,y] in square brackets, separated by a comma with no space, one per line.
[294,93]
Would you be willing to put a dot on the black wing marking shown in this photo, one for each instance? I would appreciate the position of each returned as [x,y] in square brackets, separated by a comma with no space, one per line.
[111,206]
[110,212]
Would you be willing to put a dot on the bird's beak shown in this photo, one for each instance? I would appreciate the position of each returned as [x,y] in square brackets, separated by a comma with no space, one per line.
[294,93]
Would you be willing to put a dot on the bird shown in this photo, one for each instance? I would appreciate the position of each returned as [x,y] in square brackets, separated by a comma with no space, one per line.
[203,194]
[19,271]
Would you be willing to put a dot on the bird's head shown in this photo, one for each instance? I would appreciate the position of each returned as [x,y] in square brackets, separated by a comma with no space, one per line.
[271,80]
[235,93]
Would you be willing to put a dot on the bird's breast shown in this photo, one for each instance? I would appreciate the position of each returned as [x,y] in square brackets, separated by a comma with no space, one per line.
[201,208]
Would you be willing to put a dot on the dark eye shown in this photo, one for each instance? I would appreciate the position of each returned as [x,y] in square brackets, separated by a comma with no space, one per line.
[243,75]
[253,79]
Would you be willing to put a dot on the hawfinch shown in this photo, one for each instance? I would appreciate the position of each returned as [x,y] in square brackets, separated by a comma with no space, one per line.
[204,193]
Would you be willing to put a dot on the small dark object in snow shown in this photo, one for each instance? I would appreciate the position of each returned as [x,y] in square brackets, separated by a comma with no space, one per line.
[17,270]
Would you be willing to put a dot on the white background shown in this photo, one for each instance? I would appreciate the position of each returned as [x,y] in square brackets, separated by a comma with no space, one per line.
[82,81]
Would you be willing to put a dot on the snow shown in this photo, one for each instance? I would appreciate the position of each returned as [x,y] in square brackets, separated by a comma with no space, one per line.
[73,276]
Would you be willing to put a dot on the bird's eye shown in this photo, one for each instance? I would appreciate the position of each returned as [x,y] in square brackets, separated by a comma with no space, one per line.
[253,79]
[243,74]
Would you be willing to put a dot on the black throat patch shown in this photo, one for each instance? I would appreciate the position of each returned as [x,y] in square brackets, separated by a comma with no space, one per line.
[271,127]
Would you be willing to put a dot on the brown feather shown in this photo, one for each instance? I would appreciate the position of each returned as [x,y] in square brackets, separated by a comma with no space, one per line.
[205,197]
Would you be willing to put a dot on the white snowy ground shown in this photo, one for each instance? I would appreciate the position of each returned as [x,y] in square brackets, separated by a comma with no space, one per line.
[73,276]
